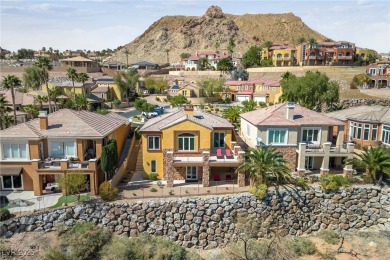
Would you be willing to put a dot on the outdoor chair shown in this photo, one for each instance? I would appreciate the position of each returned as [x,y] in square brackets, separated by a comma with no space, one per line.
[228,177]
[228,153]
[219,152]
[217,177]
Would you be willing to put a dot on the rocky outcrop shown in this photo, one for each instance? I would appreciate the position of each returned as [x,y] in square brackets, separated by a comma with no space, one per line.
[211,222]
[363,102]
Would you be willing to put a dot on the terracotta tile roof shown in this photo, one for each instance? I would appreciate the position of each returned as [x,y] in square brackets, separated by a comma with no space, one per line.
[20,98]
[272,83]
[100,90]
[353,112]
[178,115]
[68,123]
[77,58]
[236,82]
[277,116]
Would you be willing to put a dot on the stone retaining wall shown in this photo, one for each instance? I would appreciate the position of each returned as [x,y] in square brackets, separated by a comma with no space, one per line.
[210,222]
[363,102]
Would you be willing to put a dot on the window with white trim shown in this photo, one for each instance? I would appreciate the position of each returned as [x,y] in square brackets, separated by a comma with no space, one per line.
[219,140]
[248,130]
[374,132]
[12,182]
[15,151]
[153,166]
[366,133]
[352,129]
[359,131]
[191,173]
[186,142]
[62,149]
[153,142]
[311,135]
[386,134]
[277,136]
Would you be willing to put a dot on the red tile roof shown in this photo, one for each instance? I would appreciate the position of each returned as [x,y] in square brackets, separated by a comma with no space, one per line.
[277,116]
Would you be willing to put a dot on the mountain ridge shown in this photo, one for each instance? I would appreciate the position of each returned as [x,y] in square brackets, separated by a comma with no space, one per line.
[169,36]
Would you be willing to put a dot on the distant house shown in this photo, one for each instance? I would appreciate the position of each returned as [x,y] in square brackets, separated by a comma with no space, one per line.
[116,93]
[239,90]
[365,125]
[379,74]
[323,53]
[174,90]
[266,90]
[114,65]
[143,65]
[193,62]
[310,141]
[103,92]
[81,64]
[281,55]
[190,90]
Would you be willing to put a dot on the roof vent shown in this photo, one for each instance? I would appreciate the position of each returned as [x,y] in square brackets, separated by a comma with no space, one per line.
[199,116]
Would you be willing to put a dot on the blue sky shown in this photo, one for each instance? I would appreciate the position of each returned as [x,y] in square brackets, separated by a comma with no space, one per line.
[100,24]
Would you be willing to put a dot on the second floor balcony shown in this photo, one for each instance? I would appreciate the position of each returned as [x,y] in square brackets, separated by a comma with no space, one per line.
[325,149]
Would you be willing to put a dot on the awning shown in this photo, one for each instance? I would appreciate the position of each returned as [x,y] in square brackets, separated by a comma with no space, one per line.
[10,171]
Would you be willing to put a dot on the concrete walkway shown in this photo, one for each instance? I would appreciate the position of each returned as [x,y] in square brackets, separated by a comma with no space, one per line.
[40,202]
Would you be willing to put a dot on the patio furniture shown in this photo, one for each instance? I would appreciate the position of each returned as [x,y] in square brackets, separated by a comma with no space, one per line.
[52,187]
[228,178]
[217,177]
[228,153]
[219,152]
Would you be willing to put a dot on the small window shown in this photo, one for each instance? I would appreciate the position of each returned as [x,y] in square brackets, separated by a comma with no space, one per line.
[191,173]
[153,143]
[374,132]
[153,166]
[186,142]
[359,132]
[366,132]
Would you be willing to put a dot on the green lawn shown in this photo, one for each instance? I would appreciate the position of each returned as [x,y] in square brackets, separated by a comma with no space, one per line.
[69,199]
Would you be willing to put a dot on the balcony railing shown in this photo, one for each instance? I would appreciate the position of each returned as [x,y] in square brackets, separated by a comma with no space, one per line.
[345,57]
[320,149]
[312,57]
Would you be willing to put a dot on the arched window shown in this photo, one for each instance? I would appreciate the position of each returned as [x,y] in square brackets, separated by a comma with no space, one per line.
[186,142]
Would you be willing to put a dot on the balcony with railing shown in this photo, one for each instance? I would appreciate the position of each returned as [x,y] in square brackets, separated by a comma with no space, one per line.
[312,149]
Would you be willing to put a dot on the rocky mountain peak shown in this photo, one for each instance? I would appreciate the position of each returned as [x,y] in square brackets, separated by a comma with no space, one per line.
[214,12]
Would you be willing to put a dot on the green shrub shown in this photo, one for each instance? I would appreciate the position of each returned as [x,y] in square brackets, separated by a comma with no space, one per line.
[331,182]
[153,177]
[55,253]
[107,192]
[4,214]
[262,104]
[329,236]
[259,190]
[84,240]
[302,246]
[157,99]
[137,135]
[270,104]
[145,247]
[216,109]
[153,190]
[171,192]
[301,182]
[116,103]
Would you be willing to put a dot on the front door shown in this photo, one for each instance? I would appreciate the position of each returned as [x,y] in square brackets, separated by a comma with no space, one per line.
[191,173]
[309,161]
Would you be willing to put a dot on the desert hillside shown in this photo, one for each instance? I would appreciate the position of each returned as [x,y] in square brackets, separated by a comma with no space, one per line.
[170,36]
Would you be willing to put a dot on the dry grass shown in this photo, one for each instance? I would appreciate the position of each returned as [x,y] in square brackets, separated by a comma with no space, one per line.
[355,94]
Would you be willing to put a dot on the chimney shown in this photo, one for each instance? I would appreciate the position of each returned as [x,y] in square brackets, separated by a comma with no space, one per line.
[189,110]
[290,111]
[43,120]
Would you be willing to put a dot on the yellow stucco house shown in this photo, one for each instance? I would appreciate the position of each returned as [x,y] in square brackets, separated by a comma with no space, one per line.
[362,53]
[266,90]
[187,145]
[281,55]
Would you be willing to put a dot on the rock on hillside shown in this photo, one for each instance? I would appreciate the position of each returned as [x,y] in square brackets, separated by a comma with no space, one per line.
[170,36]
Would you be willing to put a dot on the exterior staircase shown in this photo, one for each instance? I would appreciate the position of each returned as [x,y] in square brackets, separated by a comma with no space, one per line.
[139,169]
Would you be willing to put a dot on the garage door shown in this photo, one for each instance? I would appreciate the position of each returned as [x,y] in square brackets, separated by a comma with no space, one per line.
[242,98]
[259,99]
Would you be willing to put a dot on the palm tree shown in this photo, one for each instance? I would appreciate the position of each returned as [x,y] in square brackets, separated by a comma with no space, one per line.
[375,160]
[127,58]
[72,74]
[4,109]
[31,110]
[40,99]
[232,113]
[263,164]
[204,63]
[10,82]
[54,94]
[167,51]
[312,42]
[45,66]
[249,105]
[80,102]
[82,78]
[7,121]
[231,46]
